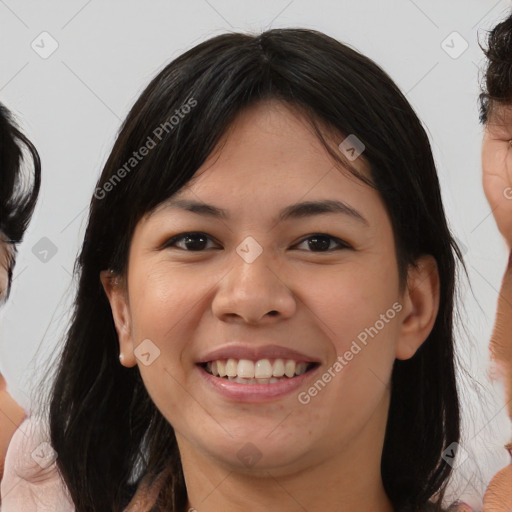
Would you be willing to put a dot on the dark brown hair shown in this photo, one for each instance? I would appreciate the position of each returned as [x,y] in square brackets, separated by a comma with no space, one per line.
[497,84]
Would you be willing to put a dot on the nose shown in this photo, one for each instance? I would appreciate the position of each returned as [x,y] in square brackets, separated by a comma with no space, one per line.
[254,292]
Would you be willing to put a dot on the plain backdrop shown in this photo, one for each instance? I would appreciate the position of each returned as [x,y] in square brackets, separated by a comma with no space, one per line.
[71,71]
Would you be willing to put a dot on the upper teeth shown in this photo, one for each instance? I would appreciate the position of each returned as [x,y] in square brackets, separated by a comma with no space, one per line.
[261,369]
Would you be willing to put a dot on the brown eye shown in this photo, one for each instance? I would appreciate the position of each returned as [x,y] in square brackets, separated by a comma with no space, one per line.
[321,243]
[191,241]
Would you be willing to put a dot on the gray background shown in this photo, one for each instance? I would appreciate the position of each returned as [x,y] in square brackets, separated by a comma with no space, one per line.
[71,104]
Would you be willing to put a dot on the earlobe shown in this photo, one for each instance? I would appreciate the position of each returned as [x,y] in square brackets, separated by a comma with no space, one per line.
[421,305]
[116,292]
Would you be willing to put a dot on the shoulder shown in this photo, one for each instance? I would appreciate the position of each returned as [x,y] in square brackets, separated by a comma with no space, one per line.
[498,495]
[13,415]
[31,478]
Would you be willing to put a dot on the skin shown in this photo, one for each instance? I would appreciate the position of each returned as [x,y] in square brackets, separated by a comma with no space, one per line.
[497,168]
[186,303]
[497,181]
[11,414]
[5,252]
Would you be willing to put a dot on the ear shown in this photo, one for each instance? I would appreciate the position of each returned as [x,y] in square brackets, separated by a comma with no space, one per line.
[421,305]
[117,294]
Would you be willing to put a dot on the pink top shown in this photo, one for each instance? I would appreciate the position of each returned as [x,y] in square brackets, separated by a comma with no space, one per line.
[32,483]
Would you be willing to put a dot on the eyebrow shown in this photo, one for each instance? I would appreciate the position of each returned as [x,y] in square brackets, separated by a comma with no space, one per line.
[294,211]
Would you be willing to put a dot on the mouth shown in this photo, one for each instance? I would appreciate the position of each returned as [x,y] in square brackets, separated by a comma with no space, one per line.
[246,381]
[262,371]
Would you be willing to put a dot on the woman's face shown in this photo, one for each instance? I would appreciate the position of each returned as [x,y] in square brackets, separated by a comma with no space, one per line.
[262,289]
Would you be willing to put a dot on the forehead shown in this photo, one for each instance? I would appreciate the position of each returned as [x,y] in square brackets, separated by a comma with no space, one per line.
[271,167]
[273,144]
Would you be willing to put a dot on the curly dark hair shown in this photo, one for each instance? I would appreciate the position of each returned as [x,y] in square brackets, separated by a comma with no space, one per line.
[497,84]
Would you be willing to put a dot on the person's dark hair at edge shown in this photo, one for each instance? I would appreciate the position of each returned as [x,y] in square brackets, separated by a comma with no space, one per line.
[18,196]
[497,83]
[102,420]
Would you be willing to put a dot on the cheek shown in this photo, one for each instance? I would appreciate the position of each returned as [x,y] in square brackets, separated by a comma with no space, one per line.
[159,304]
[3,281]
[353,298]
[358,308]
[359,316]
[163,304]
[160,297]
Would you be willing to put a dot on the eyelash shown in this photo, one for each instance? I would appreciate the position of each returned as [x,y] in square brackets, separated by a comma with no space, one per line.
[341,243]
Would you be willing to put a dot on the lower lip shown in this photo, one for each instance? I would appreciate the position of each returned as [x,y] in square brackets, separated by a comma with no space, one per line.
[255,392]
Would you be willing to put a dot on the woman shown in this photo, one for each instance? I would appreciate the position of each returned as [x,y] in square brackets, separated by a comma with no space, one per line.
[272,109]
[18,196]
[304,359]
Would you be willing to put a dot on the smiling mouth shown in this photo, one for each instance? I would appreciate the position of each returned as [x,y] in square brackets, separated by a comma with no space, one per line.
[260,372]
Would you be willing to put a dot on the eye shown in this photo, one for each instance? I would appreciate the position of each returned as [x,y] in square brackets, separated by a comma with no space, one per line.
[322,242]
[194,241]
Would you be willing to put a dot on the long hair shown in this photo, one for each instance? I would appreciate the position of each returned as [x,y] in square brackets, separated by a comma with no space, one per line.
[18,189]
[104,426]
